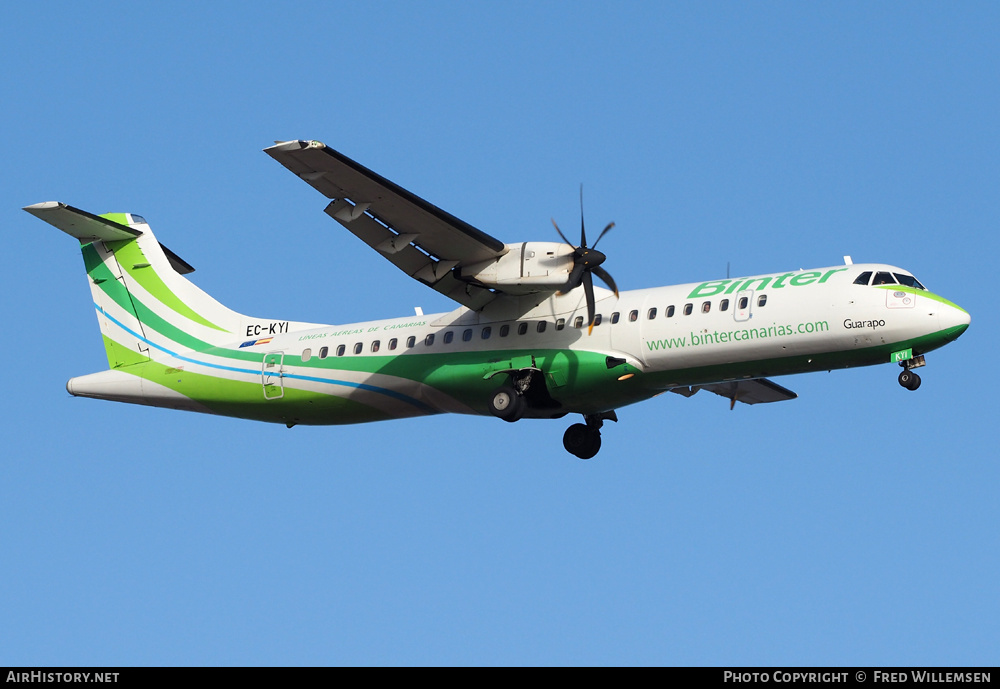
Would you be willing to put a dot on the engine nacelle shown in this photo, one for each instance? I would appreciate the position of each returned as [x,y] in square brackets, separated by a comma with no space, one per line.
[530,266]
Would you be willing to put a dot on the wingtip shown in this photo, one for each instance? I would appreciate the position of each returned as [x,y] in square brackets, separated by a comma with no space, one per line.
[295,145]
[43,206]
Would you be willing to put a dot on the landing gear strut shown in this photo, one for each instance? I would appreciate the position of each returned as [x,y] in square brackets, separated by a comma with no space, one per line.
[583,440]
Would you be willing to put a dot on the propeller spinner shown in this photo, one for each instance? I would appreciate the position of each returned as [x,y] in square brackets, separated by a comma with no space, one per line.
[587,263]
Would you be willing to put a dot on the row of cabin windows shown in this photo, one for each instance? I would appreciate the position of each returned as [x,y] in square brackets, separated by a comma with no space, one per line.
[522,328]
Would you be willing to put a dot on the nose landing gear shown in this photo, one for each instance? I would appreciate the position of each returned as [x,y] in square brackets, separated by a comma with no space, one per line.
[907,378]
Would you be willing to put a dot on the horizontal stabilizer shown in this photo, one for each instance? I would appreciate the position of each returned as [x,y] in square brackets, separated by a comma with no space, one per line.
[85,226]
[757,391]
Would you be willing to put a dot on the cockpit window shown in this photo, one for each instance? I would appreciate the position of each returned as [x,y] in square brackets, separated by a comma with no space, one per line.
[909,281]
[864,278]
[884,279]
[138,219]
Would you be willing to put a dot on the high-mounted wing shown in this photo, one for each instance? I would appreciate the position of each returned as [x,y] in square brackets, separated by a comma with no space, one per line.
[422,240]
[756,391]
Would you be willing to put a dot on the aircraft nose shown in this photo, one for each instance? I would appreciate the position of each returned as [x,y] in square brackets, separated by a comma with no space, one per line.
[956,320]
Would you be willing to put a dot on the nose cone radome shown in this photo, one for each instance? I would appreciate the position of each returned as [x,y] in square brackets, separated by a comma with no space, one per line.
[955,321]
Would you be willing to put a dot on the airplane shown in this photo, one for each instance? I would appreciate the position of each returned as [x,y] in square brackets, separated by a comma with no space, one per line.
[532,336]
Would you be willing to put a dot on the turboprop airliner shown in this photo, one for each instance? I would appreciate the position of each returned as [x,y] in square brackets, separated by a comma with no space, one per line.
[531,337]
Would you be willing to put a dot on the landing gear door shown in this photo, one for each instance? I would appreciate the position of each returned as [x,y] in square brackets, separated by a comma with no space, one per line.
[744,303]
[272,375]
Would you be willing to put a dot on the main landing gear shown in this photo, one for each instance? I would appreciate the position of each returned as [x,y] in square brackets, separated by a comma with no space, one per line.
[508,401]
[524,389]
[584,439]
[907,378]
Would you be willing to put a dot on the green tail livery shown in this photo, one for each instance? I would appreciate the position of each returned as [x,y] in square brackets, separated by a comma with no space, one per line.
[532,335]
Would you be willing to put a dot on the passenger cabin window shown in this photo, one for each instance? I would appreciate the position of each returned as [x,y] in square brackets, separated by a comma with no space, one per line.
[651,314]
[358,347]
[392,344]
[411,341]
[578,322]
[742,303]
[909,281]
[884,279]
[341,350]
[864,278]
[504,330]
[375,346]
[688,308]
[633,316]
[724,305]
[706,307]
[614,317]
[467,335]
[761,300]
[487,331]
[324,352]
[669,313]
[541,326]
[448,337]
[429,340]
[560,323]
[522,328]
[306,355]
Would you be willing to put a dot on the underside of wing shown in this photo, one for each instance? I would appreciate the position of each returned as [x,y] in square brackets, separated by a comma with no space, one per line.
[85,226]
[422,240]
[756,391]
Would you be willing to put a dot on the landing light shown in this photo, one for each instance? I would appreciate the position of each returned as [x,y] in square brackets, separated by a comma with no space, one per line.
[626,376]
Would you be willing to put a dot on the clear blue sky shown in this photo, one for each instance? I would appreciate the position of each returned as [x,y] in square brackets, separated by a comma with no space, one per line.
[854,525]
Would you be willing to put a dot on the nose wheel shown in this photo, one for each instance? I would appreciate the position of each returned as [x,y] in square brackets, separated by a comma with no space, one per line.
[909,380]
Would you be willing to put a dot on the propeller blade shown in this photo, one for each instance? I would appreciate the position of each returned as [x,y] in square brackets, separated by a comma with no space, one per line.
[574,279]
[588,290]
[603,232]
[583,232]
[608,280]
[560,232]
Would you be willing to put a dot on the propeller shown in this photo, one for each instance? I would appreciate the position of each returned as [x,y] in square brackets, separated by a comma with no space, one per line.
[586,263]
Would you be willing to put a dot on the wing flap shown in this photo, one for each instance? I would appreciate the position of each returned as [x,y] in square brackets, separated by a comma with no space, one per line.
[419,238]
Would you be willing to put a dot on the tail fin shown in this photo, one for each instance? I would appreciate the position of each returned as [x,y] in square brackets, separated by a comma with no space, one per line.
[141,296]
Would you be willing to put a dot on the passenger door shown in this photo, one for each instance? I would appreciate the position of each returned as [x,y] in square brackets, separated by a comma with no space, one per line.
[272,375]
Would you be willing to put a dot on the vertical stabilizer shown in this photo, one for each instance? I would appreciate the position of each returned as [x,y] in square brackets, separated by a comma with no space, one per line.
[143,300]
